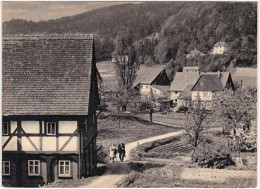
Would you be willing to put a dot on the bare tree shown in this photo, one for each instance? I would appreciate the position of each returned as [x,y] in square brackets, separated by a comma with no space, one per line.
[125,60]
[196,124]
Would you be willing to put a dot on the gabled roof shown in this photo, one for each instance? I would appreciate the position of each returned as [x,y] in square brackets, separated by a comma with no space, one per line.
[186,94]
[221,44]
[47,74]
[147,75]
[223,76]
[182,79]
[208,82]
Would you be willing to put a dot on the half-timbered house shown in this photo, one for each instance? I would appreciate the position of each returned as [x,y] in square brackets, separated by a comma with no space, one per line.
[205,90]
[49,102]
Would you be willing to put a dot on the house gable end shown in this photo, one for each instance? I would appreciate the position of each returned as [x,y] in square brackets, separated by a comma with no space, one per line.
[161,79]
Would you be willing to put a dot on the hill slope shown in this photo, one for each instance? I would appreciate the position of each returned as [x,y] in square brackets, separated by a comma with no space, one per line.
[167,30]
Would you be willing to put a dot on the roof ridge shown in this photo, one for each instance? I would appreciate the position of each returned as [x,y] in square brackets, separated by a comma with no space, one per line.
[13,37]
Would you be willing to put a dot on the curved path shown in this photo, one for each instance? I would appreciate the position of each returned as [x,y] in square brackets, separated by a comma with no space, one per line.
[109,180]
[132,145]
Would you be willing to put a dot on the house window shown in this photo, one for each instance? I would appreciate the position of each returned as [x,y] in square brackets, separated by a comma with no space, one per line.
[33,167]
[196,93]
[51,128]
[6,128]
[205,94]
[5,168]
[64,168]
[141,86]
[146,86]
[176,92]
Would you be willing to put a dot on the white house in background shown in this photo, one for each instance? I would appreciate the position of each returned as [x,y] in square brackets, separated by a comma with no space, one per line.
[148,76]
[220,47]
[181,81]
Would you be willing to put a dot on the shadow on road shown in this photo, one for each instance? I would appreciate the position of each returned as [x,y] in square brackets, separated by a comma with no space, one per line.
[122,168]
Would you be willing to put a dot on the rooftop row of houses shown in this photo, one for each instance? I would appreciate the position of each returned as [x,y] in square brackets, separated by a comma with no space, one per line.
[187,88]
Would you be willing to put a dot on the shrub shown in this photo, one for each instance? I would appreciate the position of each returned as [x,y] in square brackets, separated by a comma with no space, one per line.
[214,154]
[131,178]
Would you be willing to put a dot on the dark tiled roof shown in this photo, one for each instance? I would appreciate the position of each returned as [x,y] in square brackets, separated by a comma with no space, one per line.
[182,79]
[209,82]
[223,76]
[46,74]
[147,75]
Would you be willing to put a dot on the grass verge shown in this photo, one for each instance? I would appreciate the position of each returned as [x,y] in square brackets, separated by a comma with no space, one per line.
[113,130]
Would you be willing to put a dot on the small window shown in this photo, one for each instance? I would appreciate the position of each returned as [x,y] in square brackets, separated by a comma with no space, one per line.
[5,168]
[33,167]
[64,168]
[146,87]
[205,94]
[176,92]
[51,128]
[141,86]
[5,128]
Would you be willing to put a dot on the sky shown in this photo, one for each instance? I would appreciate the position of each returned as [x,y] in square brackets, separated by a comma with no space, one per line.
[46,10]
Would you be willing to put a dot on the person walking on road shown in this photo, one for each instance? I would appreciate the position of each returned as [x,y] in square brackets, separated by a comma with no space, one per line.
[121,147]
[112,153]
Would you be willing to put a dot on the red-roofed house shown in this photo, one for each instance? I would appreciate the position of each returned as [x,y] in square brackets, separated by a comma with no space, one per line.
[208,85]
[49,102]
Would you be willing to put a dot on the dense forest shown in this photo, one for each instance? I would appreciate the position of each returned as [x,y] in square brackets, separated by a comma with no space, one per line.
[164,32]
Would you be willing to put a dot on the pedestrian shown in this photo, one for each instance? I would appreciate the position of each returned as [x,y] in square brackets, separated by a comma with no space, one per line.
[122,151]
[112,152]
[119,149]
[151,116]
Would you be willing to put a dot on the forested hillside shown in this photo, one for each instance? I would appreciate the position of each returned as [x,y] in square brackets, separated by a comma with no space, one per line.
[164,32]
